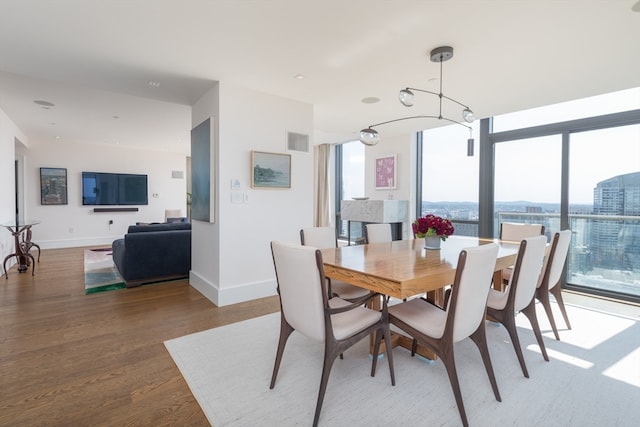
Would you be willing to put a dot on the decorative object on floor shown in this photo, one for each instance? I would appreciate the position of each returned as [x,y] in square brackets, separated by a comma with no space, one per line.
[370,136]
[99,272]
[434,229]
[24,258]
[270,170]
[228,370]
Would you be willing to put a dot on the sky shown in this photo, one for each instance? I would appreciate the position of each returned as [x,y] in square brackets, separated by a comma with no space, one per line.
[530,169]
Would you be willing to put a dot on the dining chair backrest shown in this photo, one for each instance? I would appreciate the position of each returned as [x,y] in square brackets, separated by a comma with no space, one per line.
[470,290]
[319,237]
[517,232]
[557,257]
[530,258]
[376,233]
[301,281]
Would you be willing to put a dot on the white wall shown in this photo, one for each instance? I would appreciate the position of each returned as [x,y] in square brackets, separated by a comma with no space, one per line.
[77,225]
[246,120]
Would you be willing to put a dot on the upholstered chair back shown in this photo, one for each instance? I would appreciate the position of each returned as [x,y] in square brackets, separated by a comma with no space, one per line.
[319,237]
[377,233]
[518,232]
[471,289]
[301,288]
[530,269]
[558,254]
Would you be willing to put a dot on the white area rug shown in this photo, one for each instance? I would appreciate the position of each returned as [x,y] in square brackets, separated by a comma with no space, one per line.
[593,378]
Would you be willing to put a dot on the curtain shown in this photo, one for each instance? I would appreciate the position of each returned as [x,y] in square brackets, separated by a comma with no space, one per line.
[321,216]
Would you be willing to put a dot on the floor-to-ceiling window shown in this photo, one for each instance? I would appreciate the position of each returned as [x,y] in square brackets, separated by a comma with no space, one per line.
[350,182]
[449,182]
[604,210]
[527,178]
[574,165]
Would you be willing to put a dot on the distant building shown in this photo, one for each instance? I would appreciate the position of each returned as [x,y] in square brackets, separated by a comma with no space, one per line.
[615,240]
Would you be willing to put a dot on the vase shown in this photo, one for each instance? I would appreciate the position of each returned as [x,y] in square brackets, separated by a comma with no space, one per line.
[432,242]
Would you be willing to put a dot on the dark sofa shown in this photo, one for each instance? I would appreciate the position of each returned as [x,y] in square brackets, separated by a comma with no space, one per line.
[153,253]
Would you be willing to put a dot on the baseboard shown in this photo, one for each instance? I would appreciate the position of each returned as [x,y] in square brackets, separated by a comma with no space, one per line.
[233,295]
[74,243]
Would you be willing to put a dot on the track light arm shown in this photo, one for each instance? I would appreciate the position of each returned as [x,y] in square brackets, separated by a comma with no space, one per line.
[441,95]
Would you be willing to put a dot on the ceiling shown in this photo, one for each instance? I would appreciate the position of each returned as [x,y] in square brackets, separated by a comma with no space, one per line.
[94,59]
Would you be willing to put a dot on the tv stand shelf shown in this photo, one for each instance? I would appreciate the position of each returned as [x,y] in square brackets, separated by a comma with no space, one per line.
[115,209]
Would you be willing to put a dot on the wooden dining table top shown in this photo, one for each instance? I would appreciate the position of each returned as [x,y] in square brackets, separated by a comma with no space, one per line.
[404,268]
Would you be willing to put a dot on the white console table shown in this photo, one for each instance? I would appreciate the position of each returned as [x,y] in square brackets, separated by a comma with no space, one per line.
[394,212]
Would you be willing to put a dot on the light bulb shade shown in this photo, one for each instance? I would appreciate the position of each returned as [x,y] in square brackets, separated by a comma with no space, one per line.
[470,147]
[369,136]
[406,97]
[467,115]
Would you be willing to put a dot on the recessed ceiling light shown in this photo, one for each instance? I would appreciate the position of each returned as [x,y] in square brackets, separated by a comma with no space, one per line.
[298,76]
[370,100]
[44,103]
[116,117]
[153,83]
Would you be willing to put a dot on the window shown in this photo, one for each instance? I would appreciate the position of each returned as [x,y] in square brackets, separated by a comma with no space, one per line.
[450,178]
[350,182]
[574,165]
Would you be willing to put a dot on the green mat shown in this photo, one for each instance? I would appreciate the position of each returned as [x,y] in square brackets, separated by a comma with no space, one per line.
[99,272]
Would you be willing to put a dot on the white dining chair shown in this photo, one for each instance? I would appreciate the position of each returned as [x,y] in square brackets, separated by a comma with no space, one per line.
[325,237]
[549,282]
[377,233]
[516,232]
[306,308]
[440,328]
[519,295]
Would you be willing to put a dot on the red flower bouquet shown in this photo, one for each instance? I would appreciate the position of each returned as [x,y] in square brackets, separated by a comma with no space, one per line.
[431,225]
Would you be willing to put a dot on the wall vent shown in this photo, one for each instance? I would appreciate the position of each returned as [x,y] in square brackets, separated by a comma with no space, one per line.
[297,142]
[177,174]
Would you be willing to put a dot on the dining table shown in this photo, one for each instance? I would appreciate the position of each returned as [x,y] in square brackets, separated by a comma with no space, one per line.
[405,268]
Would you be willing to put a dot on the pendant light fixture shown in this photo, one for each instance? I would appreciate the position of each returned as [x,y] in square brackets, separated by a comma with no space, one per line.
[370,136]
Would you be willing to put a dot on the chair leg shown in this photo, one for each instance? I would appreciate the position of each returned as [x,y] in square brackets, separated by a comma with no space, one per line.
[530,312]
[329,358]
[557,293]
[510,325]
[285,332]
[543,296]
[387,343]
[479,337]
[450,364]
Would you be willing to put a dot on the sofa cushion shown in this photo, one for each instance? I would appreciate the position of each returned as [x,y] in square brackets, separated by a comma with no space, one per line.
[159,227]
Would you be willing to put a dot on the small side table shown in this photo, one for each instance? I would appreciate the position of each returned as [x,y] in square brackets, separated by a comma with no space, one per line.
[22,248]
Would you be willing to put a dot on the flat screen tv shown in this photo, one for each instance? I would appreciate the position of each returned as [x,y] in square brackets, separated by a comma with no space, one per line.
[99,188]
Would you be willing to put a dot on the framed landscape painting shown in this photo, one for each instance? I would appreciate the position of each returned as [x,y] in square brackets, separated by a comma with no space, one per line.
[270,170]
[386,172]
[53,186]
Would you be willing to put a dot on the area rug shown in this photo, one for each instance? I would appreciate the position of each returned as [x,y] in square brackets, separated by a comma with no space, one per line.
[592,379]
[100,274]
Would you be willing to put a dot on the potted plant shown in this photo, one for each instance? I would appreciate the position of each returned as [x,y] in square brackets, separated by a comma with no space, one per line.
[434,229]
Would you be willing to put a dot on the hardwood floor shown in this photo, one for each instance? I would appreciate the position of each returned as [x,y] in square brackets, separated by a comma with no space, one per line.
[70,359]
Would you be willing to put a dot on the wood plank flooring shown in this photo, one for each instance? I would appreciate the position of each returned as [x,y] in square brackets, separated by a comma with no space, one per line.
[70,359]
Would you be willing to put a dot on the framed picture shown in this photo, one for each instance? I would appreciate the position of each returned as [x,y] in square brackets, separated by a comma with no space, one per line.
[53,186]
[386,172]
[270,170]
